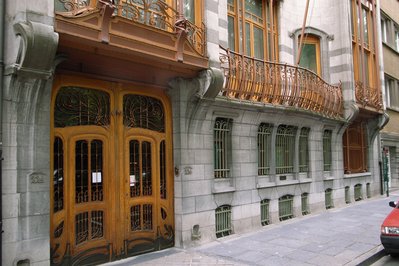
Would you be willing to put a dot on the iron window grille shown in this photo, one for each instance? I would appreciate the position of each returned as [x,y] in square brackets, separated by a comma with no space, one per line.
[304,150]
[264,212]
[264,148]
[305,203]
[223,221]
[285,207]
[347,195]
[358,192]
[327,149]
[222,147]
[329,198]
[368,190]
[285,149]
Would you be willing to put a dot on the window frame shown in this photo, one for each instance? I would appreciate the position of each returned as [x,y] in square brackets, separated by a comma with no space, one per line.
[312,39]
[268,26]
[265,133]
[327,150]
[222,147]
[285,142]
[304,140]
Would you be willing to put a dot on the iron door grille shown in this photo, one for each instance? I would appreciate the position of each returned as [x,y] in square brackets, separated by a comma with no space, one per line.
[223,221]
[285,207]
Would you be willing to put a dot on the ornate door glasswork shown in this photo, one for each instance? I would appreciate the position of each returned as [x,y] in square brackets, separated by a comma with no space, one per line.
[111,167]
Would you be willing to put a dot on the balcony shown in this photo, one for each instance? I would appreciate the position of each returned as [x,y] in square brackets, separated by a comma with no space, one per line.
[368,97]
[258,81]
[151,30]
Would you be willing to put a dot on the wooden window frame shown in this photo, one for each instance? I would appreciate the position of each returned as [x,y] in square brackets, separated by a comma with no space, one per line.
[269,26]
[313,40]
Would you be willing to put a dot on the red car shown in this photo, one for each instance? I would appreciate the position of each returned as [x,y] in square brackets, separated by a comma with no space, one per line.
[390,230]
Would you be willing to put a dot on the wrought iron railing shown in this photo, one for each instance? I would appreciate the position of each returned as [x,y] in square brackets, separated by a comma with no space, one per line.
[223,221]
[368,96]
[152,13]
[256,80]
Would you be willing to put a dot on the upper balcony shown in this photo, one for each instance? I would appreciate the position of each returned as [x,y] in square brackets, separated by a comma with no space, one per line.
[259,81]
[150,29]
[368,97]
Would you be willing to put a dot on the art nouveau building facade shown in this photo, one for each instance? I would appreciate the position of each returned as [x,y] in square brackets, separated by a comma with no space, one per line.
[132,125]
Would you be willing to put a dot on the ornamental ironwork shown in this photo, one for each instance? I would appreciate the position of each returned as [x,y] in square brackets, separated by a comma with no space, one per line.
[256,80]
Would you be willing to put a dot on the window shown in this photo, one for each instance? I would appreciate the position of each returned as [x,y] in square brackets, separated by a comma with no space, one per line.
[384,29]
[310,55]
[223,221]
[264,212]
[364,51]
[391,92]
[305,203]
[358,192]
[256,34]
[222,147]
[327,150]
[368,190]
[285,149]
[347,195]
[264,148]
[285,207]
[329,198]
[397,38]
[355,148]
[304,150]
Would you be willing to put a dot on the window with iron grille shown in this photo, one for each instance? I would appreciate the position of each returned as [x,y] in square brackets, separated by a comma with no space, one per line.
[222,147]
[304,150]
[329,198]
[368,190]
[285,149]
[305,203]
[347,195]
[264,148]
[358,192]
[285,207]
[264,212]
[327,150]
[223,221]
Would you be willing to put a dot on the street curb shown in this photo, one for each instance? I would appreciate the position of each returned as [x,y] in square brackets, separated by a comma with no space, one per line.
[370,257]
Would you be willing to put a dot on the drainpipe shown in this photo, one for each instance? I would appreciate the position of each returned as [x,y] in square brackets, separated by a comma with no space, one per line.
[2,27]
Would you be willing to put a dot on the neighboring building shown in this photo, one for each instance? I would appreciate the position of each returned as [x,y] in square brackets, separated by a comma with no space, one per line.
[390,49]
[130,126]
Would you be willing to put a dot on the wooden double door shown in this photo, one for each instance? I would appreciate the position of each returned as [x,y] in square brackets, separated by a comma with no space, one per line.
[111,161]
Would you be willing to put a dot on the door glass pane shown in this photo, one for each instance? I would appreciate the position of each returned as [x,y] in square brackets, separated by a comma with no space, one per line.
[76,106]
[146,168]
[231,33]
[58,176]
[143,112]
[147,217]
[97,224]
[189,10]
[258,43]
[81,171]
[162,160]
[134,168]
[81,227]
[97,175]
[135,218]
[308,57]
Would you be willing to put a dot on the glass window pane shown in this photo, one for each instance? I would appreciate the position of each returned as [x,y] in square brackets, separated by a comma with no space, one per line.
[365,26]
[258,43]
[308,57]
[231,34]
[189,10]
[366,68]
[248,39]
[97,175]
[254,7]
[81,171]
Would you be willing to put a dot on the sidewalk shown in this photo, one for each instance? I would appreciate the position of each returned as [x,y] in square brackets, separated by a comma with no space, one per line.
[345,236]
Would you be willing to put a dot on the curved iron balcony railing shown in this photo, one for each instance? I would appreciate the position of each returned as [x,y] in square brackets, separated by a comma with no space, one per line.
[152,13]
[368,96]
[255,80]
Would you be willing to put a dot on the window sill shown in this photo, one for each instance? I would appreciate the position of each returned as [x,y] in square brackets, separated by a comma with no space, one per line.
[365,174]
[223,185]
[327,175]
